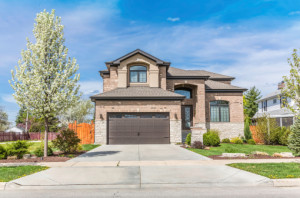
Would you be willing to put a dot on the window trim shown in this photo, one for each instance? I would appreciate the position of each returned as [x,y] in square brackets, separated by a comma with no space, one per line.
[219,107]
[138,73]
[185,89]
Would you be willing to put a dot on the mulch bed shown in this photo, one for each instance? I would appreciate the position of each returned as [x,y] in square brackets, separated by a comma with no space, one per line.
[54,158]
[219,157]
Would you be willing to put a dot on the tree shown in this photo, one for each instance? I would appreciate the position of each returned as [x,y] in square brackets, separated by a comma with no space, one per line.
[250,104]
[82,112]
[247,132]
[45,81]
[3,120]
[291,87]
[294,138]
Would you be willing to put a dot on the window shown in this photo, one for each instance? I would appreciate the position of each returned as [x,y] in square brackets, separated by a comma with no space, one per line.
[185,92]
[264,105]
[219,111]
[138,74]
[274,101]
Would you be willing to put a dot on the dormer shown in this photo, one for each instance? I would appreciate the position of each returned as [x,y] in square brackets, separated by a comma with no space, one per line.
[136,68]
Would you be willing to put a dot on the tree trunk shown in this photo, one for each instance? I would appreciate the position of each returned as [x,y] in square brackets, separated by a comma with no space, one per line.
[46,138]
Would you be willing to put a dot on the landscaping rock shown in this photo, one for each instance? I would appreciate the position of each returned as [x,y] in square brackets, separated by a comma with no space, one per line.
[12,157]
[276,155]
[206,148]
[26,156]
[233,155]
[287,154]
[260,153]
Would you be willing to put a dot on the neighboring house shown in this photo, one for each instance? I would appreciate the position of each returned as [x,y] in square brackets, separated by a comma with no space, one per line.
[145,101]
[272,105]
[15,130]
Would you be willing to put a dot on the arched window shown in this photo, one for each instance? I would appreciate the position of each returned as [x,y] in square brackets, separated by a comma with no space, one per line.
[219,111]
[185,92]
[138,74]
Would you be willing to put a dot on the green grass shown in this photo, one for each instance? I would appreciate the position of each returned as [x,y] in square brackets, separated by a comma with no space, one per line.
[241,148]
[15,172]
[88,147]
[271,170]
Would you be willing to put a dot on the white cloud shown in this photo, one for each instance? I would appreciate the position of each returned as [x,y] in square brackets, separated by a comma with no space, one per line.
[173,19]
[8,98]
[89,88]
[294,13]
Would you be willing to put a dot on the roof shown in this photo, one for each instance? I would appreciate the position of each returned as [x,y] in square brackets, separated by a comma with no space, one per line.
[274,94]
[138,51]
[211,85]
[175,72]
[15,129]
[276,113]
[138,92]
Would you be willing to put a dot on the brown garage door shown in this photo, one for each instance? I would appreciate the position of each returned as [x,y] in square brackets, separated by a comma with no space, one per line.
[142,128]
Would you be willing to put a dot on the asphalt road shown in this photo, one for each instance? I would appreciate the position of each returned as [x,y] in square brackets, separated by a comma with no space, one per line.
[261,192]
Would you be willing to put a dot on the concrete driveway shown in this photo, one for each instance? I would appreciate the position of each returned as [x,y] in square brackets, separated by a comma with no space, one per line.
[139,166]
[146,152]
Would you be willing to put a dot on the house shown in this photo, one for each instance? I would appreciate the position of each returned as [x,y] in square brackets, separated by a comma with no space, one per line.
[146,101]
[272,106]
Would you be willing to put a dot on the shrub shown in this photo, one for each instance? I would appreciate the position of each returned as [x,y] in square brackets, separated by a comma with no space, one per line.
[3,153]
[247,132]
[284,137]
[39,151]
[294,138]
[211,138]
[275,135]
[251,141]
[188,139]
[226,140]
[18,148]
[67,141]
[236,140]
[262,128]
[197,145]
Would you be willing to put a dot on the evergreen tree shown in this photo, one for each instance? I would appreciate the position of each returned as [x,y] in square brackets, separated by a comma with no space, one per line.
[250,104]
[247,132]
[294,138]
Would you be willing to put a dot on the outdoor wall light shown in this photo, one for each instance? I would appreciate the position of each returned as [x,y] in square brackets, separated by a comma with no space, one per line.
[101,117]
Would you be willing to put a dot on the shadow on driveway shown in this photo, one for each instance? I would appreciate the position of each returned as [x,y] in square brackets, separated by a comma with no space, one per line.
[99,153]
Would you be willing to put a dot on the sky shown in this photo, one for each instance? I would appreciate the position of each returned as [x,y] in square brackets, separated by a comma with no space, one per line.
[250,40]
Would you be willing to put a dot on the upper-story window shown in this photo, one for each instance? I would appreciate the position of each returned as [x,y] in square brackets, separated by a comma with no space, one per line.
[138,74]
[219,111]
[185,92]
[265,105]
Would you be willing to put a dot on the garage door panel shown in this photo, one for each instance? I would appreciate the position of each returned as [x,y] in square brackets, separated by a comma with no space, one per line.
[139,129]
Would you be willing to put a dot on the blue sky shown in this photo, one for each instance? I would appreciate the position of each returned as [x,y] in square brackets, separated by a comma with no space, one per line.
[248,39]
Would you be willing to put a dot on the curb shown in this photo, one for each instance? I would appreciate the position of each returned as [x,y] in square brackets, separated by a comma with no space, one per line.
[2,185]
[286,182]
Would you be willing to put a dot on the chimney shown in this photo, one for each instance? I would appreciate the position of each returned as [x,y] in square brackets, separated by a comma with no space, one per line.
[281,85]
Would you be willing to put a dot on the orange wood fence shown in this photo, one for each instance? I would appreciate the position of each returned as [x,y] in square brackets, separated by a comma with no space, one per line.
[84,131]
[255,136]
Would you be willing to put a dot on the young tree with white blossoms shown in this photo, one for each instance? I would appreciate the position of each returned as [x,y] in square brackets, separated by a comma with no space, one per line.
[45,81]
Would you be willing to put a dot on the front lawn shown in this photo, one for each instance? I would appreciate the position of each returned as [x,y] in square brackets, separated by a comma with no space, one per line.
[271,170]
[241,148]
[14,172]
[88,147]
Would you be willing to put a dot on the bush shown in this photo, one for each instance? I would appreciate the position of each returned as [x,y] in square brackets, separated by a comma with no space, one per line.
[3,153]
[39,151]
[247,132]
[251,141]
[211,138]
[197,145]
[188,139]
[226,140]
[262,129]
[236,140]
[294,138]
[67,141]
[275,135]
[18,148]
[284,137]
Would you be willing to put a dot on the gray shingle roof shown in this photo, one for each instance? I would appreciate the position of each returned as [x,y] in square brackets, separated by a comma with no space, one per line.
[274,94]
[215,85]
[276,113]
[139,92]
[172,72]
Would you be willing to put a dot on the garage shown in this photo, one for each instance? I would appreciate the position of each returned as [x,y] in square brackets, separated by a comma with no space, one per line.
[138,128]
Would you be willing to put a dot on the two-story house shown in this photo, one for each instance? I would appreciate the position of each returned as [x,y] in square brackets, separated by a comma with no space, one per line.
[272,105]
[146,101]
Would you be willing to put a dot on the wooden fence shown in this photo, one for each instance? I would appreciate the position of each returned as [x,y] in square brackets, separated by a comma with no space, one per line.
[255,136]
[85,132]
[12,136]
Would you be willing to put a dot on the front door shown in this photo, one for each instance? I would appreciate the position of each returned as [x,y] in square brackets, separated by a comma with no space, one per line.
[187,116]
